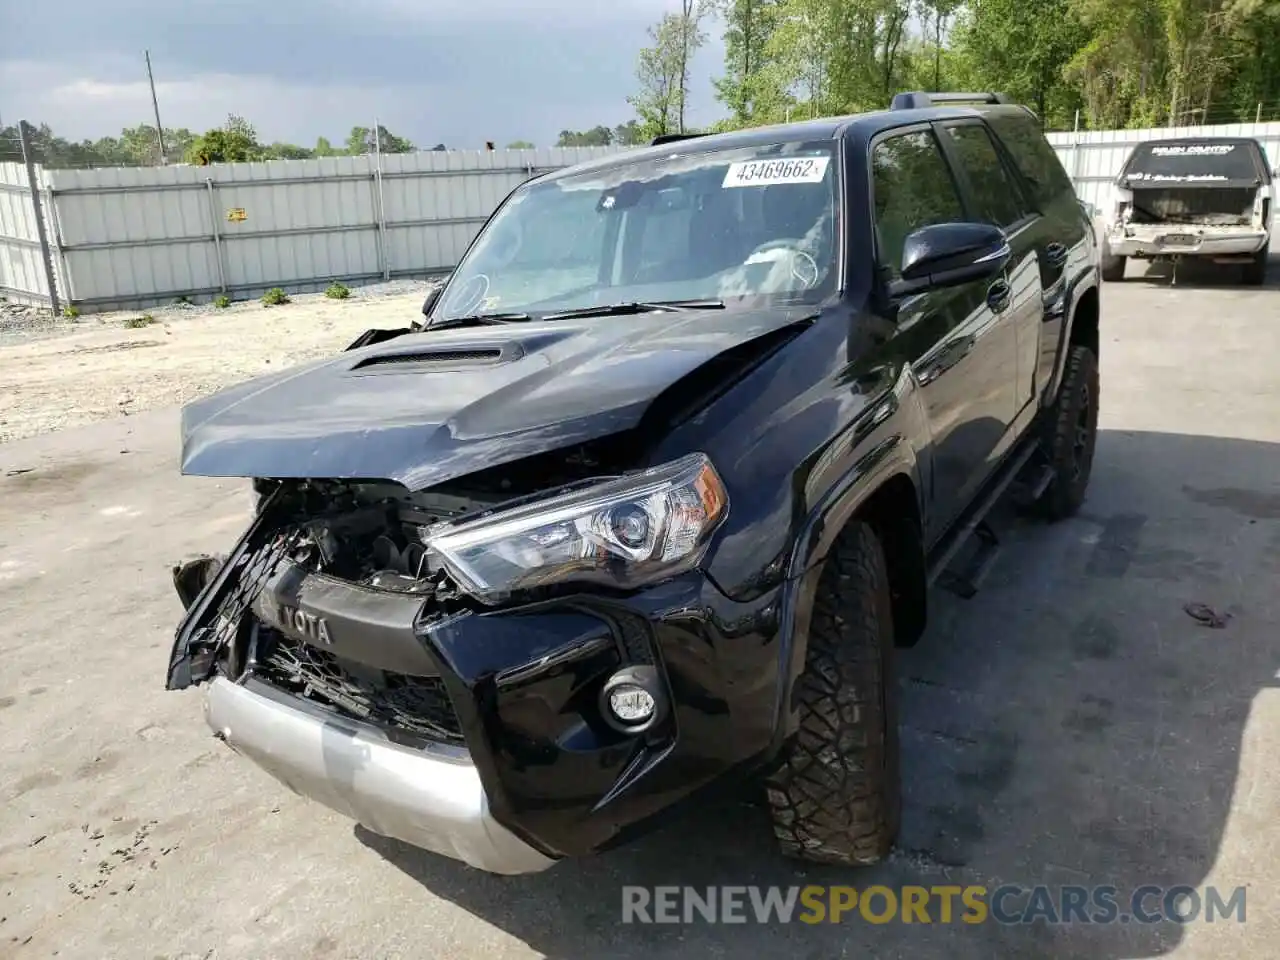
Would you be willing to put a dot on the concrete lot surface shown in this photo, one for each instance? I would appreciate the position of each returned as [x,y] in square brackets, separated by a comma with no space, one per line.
[1070,725]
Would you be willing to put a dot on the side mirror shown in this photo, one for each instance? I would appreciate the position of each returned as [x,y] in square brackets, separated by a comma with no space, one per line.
[430,302]
[948,254]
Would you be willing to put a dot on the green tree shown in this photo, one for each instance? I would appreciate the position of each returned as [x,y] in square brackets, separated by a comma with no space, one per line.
[140,147]
[1021,47]
[235,142]
[597,136]
[1149,62]
[362,141]
[628,134]
[747,87]
[837,56]
[520,145]
[936,15]
[662,71]
[287,151]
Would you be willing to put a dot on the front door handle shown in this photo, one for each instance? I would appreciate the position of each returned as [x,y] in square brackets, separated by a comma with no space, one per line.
[998,295]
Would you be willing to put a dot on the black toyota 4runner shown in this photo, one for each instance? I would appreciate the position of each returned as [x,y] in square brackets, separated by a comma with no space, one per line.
[648,499]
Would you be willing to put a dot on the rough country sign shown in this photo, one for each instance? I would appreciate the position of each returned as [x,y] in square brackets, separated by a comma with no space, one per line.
[1194,150]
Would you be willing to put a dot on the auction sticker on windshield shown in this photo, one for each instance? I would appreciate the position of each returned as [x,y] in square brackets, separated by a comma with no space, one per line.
[767,173]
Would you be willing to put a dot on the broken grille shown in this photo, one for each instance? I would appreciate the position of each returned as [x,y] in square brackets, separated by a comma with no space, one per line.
[243,587]
[416,705]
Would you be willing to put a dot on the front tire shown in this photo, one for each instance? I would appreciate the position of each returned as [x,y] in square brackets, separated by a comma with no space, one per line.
[1112,266]
[836,798]
[1072,434]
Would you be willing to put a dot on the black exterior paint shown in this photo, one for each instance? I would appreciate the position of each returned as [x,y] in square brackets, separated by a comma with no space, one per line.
[933,390]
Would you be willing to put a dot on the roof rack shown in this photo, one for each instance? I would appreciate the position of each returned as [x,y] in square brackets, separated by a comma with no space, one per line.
[920,99]
[673,137]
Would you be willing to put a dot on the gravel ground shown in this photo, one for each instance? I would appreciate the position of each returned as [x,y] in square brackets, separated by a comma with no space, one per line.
[58,373]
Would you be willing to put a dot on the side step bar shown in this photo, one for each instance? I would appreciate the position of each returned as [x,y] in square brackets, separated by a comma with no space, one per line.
[963,577]
[966,581]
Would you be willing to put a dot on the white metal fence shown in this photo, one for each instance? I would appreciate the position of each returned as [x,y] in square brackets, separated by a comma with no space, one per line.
[22,272]
[133,237]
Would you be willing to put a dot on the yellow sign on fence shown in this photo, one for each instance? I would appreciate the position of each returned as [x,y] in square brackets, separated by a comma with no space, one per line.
[237,215]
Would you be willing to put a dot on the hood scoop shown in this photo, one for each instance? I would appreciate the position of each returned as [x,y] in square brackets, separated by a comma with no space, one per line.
[468,356]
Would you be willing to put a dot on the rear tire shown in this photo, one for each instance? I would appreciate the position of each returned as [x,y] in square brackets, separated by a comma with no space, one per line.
[1255,273]
[836,798]
[1112,268]
[1072,429]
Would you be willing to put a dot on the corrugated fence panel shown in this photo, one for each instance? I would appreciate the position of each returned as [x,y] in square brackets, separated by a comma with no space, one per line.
[297,223]
[22,276]
[142,236]
[457,190]
[127,234]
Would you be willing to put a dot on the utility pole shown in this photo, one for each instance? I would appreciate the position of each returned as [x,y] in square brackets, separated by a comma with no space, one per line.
[155,105]
[33,184]
[382,199]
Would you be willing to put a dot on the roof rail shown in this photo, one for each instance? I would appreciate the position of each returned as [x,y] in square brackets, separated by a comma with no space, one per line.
[919,99]
[673,137]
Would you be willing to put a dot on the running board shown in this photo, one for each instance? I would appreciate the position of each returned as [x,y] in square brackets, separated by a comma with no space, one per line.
[966,581]
[1031,486]
[964,577]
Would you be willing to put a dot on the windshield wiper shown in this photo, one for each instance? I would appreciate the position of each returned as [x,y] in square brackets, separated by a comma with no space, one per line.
[635,306]
[480,320]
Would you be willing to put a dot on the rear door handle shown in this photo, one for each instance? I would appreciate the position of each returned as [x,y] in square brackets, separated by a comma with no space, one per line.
[1056,254]
[998,295]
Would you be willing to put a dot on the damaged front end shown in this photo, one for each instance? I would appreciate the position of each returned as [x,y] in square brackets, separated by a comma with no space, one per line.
[335,565]
[497,669]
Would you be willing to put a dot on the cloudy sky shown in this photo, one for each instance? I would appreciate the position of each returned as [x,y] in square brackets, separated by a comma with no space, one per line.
[457,71]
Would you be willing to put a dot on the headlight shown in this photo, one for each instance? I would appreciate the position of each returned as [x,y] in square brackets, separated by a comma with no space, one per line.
[621,533]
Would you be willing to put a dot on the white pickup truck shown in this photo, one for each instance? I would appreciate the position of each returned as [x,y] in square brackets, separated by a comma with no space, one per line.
[1210,198]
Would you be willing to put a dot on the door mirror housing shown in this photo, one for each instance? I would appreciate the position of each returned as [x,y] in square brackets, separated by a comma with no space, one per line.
[428,305]
[948,254]
[430,302]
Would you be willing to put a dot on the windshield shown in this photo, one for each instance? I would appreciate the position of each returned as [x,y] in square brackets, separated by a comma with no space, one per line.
[749,222]
[1192,161]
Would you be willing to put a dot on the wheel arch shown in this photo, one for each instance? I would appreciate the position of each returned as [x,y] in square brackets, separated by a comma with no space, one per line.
[1085,320]
[884,491]
[1082,327]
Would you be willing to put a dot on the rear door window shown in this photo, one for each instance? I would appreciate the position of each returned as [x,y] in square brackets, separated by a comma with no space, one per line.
[997,196]
[1037,161]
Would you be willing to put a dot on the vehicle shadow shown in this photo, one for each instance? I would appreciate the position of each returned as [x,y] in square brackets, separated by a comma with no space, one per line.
[1070,725]
[1198,274]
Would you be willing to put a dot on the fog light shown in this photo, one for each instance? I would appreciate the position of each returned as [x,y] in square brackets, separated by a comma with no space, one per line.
[632,699]
[631,704]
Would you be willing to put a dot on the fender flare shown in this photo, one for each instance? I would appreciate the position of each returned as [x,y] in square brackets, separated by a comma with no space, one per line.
[880,463]
[1087,280]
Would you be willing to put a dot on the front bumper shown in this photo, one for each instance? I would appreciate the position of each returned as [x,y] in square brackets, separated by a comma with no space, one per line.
[430,798]
[1186,241]
[519,770]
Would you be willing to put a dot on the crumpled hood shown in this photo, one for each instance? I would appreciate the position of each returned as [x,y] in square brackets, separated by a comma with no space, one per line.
[427,407]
